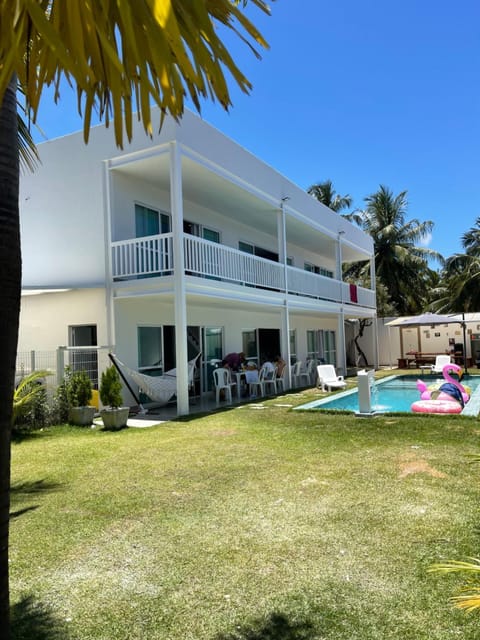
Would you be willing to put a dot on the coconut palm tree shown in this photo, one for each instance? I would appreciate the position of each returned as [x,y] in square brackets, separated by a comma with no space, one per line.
[120,56]
[326,194]
[459,288]
[401,265]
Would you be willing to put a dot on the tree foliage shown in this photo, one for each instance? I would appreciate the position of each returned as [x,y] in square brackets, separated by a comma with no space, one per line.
[326,194]
[123,55]
[401,263]
[459,288]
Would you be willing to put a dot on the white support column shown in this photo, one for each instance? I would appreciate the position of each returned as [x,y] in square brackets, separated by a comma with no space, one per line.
[285,313]
[342,359]
[342,348]
[107,217]
[181,348]
[373,286]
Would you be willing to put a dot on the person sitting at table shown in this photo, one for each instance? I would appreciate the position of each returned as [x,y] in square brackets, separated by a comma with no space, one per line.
[280,364]
[269,368]
[235,360]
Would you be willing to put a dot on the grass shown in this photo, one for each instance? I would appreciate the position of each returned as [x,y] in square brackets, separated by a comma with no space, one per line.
[256,523]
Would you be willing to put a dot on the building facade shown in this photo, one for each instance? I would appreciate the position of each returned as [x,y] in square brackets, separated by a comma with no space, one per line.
[180,244]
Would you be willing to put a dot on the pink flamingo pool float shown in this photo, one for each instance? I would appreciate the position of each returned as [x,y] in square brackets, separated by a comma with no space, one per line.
[451,398]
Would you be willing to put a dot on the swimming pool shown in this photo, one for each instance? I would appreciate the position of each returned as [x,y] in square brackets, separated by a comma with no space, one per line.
[394,394]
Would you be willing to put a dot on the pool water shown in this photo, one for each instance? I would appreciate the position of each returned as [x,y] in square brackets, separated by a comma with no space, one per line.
[391,395]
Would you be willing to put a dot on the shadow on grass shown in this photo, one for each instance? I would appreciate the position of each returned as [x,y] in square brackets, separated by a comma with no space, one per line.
[32,619]
[33,487]
[20,490]
[24,435]
[276,627]
[20,512]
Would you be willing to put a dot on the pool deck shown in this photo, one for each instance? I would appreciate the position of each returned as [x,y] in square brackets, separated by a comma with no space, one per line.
[471,409]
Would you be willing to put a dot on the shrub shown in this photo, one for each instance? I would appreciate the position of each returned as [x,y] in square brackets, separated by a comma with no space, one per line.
[30,405]
[78,388]
[111,388]
[60,404]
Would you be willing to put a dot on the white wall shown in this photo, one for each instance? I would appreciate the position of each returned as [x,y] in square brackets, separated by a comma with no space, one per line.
[45,317]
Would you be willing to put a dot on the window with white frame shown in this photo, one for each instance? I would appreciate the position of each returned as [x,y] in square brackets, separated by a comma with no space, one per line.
[150,347]
[313,268]
[199,230]
[293,346]
[212,354]
[247,247]
[313,344]
[329,340]
[321,345]
[150,222]
[250,344]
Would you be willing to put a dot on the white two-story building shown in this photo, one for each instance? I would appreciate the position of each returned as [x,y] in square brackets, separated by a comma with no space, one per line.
[181,244]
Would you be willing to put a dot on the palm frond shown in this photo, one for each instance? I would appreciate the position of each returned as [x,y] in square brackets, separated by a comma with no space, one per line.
[120,54]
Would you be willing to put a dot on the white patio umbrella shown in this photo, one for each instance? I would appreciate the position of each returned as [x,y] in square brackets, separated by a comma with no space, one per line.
[423,320]
[432,319]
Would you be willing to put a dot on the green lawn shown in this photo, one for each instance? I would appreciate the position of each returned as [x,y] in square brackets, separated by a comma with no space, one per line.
[247,524]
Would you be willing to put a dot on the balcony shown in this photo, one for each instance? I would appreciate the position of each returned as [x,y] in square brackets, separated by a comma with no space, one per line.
[152,256]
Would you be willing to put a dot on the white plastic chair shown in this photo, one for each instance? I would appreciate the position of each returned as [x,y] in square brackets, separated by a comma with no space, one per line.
[310,370]
[294,371]
[440,362]
[269,379]
[327,377]
[298,374]
[223,380]
[254,379]
[280,379]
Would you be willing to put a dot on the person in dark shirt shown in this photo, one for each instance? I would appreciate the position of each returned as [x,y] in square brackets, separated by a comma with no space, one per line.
[234,360]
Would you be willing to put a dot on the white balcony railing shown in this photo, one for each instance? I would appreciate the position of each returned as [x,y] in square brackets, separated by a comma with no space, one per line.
[214,260]
[142,257]
[153,256]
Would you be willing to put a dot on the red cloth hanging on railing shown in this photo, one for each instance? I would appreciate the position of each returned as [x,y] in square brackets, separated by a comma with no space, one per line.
[353,293]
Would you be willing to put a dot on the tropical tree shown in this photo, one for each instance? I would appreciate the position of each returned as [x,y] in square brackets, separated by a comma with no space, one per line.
[401,265]
[120,56]
[459,288]
[326,194]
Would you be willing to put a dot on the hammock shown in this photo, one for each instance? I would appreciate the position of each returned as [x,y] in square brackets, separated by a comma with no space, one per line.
[159,388]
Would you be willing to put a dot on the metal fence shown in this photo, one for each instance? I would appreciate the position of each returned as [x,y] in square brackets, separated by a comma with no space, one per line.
[93,360]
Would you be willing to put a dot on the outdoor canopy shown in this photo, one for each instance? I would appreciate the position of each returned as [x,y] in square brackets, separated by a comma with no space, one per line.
[432,319]
[423,320]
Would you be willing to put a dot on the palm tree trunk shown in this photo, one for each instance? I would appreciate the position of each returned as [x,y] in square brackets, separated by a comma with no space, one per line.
[10,290]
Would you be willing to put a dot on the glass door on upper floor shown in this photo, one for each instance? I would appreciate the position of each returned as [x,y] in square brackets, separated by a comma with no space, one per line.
[209,262]
[149,222]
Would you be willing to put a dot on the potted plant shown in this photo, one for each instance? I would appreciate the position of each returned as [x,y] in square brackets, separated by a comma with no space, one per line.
[78,387]
[114,416]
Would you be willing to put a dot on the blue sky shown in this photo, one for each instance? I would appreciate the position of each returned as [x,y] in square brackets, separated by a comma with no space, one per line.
[361,93]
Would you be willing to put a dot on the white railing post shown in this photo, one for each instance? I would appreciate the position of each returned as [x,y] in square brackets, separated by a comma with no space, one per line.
[61,364]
